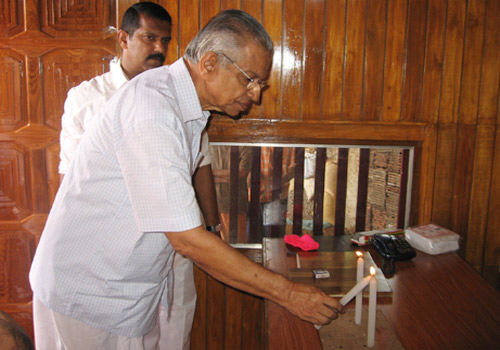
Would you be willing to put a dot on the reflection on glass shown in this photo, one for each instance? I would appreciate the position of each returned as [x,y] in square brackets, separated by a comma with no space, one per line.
[273,190]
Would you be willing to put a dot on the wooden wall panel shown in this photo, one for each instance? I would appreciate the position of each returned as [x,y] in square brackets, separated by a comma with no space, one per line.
[333,77]
[13,101]
[272,19]
[492,242]
[225,318]
[63,69]
[255,8]
[460,206]
[66,18]
[444,175]
[415,51]
[292,60]
[374,61]
[46,47]
[433,65]
[354,57]
[191,14]
[490,70]
[313,60]
[394,56]
[473,55]
[480,189]
[173,47]
[452,76]
[11,18]
[16,191]
[424,73]
[230,4]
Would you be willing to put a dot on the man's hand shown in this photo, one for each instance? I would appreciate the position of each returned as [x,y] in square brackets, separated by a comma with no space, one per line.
[311,304]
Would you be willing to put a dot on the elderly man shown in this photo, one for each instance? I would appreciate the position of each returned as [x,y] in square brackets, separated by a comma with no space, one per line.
[127,204]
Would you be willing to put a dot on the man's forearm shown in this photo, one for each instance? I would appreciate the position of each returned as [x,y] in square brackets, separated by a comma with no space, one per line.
[204,186]
[229,266]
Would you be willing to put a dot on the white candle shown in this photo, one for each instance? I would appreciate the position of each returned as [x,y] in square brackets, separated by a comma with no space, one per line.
[372,310]
[359,296]
[355,290]
[298,260]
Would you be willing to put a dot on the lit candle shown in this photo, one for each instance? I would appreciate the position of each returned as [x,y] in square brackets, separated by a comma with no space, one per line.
[355,290]
[372,309]
[359,296]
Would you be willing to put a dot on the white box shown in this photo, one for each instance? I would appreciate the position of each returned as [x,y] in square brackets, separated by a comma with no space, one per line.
[432,239]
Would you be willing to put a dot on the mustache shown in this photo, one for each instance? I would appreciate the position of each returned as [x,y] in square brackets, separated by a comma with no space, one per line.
[159,56]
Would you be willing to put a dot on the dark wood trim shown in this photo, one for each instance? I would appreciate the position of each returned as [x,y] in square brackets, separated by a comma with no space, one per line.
[223,129]
[364,165]
[403,188]
[319,191]
[254,205]
[298,191]
[233,193]
[340,201]
[277,184]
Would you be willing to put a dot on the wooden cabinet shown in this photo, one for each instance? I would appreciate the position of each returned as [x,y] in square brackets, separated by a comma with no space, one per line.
[227,318]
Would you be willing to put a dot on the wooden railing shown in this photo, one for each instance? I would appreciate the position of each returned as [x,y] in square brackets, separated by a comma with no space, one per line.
[279,181]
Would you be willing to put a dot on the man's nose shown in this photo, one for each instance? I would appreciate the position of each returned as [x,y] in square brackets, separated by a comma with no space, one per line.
[161,47]
[254,94]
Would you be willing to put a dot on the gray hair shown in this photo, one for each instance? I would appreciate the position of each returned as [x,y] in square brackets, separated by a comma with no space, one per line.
[228,32]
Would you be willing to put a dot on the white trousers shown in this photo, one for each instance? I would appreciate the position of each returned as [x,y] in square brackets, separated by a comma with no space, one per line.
[54,331]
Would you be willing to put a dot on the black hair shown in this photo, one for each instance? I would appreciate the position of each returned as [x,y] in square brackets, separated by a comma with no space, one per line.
[131,17]
[11,330]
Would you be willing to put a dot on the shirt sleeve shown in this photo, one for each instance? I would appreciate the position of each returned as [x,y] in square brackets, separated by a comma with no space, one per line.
[158,179]
[71,132]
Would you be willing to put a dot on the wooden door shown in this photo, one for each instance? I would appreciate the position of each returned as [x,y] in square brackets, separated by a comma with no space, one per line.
[46,47]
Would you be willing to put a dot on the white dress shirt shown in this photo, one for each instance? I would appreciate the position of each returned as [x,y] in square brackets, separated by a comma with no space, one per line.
[103,257]
[82,105]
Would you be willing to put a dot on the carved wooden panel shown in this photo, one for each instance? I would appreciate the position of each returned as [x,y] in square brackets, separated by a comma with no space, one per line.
[15,195]
[84,18]
[12,85]
[67,42]
[17,249]
[11,17]
[62,69]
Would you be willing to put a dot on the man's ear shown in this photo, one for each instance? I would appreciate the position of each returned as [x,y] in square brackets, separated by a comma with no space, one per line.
[123,39]
[209,65]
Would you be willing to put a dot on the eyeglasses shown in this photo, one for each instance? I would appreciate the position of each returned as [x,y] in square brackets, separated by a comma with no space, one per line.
[252,83]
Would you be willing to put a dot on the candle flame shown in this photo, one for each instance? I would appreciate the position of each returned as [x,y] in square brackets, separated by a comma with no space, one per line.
[359,254]
[372,270]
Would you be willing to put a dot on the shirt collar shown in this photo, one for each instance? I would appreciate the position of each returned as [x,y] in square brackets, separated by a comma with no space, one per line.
[115,67]
[188,99]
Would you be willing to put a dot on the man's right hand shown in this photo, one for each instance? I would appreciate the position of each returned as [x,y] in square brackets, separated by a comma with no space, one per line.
[311,304]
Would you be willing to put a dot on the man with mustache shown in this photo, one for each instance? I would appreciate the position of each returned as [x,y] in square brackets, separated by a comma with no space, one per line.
[144,36]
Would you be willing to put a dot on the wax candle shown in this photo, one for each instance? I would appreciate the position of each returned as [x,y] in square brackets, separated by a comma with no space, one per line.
[372,309]
[355,290]
[359,296]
